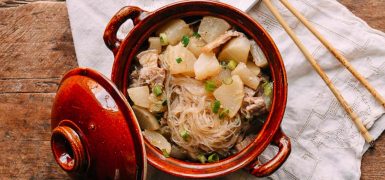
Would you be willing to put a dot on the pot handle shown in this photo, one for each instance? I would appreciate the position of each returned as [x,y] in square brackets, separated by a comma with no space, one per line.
[110,33]
[284,145]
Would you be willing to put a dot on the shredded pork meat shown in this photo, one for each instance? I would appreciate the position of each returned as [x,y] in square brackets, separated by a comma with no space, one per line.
[252,106]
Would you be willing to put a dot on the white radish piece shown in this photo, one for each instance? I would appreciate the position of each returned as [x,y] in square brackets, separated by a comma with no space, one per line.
[206,66]
[253,68]
[180,60]
[174,30]
[139,95]
[258,57]
[195,46]
[247,76]
[157,140]
[231,95]
[146,119]
[237,49]
[222,39]
[212,27]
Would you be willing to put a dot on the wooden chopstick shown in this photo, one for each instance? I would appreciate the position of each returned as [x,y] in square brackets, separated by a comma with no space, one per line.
[357,121]
[334,51]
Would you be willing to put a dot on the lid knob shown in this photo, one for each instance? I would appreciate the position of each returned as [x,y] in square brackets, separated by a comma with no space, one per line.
[67,149]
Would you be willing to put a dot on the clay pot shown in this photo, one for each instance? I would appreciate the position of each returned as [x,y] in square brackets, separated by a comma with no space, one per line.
[95,132]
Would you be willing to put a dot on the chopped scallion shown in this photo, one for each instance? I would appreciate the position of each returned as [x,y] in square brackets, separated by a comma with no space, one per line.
[179,60]
[232,65]
[223,113]
[157,90]
[185,40]
[185,135]
[267,89]
[165,153]
[215,106]
[163,39]
[213,158]
[210,86]
[202,158]
[196,34]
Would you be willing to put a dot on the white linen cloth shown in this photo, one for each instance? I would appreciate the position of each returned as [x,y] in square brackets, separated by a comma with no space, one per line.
[325,142]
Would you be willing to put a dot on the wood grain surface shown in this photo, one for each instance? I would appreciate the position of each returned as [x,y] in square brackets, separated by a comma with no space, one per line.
[36,49]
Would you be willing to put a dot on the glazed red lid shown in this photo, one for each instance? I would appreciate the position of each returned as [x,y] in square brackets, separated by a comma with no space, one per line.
[95,133]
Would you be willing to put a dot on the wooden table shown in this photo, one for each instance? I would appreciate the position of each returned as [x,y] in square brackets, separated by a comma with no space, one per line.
[36,49]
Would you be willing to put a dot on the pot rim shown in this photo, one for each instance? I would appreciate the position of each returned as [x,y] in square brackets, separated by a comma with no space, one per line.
[264,136]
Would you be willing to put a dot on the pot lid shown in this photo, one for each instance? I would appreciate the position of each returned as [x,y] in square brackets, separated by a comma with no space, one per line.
[95,133]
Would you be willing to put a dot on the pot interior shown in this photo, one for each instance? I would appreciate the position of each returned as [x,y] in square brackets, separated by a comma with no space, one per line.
[136,41]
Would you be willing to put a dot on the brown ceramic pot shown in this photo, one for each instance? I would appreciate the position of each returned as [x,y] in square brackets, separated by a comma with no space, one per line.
[96,141]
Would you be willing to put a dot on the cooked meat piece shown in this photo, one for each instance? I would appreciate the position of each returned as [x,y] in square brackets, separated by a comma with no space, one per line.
[224,38]
[152,76]
[253,106]
[148,58]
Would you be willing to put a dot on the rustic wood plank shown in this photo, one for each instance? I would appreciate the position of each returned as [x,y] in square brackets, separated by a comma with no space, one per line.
[15,3]
[36,41]
[36,49]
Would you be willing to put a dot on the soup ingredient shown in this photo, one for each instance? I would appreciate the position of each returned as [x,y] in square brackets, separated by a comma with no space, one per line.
[174,30]
[213,158]
[157,140]
[196,34]
[215,106]
[177,152]
[258,57]
[223,76]
[202,158]
[212,27]
[163,39]
[145,118]
[246,75]
[139,95]
[223,113]
[179,60]
[206,66]
[157,90]
[231,95]
[165,153]
[186,66]
[189,109]
[210,86]
[237,49]
[232,65]
[185,40]
[196,45]
[268,93]
[185,135]
[253,68]
[148,58]
[155,44]
[219,41]
[253,106]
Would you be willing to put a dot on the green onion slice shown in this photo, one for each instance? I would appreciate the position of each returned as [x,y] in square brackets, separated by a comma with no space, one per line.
[185,135]
[213,158]
[223,113]
[179,60]
[157,90]
[215,106]
[202,158]
[232,65]
[163,39]
[210,86]
[185,40]
[165,153]
[196,34]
